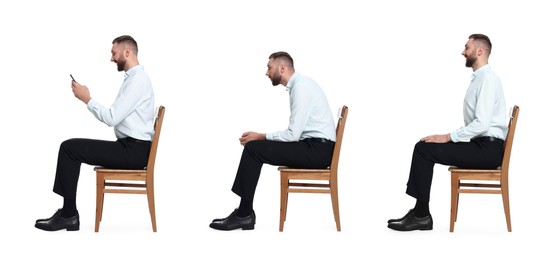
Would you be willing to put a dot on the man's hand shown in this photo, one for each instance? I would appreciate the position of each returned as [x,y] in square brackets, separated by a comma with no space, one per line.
[249,136]
[81,92]
[437,138]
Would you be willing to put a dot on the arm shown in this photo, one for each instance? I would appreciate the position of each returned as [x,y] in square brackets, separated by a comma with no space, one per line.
[437,138]
[134,90]
[301,101]
[81,92]
[479,110]
[250,136]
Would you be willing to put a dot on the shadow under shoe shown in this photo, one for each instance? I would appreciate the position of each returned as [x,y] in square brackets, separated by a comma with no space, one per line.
[233,222]
[58,222]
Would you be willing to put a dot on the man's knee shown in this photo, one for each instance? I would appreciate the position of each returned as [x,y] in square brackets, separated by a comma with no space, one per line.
[420,146]
[73,144]
[69,143]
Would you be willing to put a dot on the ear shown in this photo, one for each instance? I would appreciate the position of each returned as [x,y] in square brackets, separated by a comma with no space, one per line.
[480,51]
[282,68]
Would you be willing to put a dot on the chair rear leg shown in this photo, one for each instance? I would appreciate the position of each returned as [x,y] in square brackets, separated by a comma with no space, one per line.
[506,205]
[151,205]
[336,206]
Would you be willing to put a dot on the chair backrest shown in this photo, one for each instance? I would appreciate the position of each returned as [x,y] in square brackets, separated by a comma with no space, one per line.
[338,146]
[508,141]
[155,141]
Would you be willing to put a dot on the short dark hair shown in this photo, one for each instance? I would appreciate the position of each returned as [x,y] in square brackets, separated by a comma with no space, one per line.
[284,56]
[483,39]
[128,40]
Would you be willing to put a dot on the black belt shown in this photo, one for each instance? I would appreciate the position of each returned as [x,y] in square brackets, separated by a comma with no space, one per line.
[130,139]
[489,139]
[321,140]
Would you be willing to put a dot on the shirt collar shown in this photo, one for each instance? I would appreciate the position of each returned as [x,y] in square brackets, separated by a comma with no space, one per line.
[131,70]
[291,81]
[480,70]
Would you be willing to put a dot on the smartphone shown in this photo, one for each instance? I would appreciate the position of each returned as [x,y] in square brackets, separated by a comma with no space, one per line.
[72,78]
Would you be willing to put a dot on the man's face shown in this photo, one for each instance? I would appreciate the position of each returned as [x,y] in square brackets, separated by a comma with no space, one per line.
[117,56]
[273,72]
[470,52]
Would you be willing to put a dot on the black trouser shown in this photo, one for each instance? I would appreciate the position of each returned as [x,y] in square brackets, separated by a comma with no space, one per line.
[307,153]
[126,153]
[476,154]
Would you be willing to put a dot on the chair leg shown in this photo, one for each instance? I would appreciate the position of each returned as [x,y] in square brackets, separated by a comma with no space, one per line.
[506,204]
[283,199]
[453,199]
[100,197]
[335,204]
[102,206]
[151,204]
[457,203]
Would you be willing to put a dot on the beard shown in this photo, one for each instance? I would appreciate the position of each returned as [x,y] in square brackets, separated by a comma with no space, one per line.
[276,78]
[120,64]
[275,81]
[470,61]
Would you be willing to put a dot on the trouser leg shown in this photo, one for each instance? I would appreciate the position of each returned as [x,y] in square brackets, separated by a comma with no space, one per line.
[474,154]
[114,154]
[302,154]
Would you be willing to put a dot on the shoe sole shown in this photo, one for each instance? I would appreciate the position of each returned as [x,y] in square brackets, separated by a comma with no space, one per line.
[251,227]
[420,228]
[67,228]
[248,228]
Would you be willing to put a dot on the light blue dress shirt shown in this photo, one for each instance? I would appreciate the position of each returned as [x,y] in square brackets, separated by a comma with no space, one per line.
[133,111]
[485,112]
[311,116]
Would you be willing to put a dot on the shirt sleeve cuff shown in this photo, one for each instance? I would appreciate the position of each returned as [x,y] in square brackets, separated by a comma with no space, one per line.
[454,137]
[92,105]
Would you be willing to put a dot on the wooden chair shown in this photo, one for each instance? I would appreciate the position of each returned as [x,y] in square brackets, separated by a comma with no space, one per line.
[130,181]
[315,180]
[494,181]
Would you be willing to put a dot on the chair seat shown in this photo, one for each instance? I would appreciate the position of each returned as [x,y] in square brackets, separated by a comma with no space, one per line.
[306,174]
[469,175]
[294,170]
[462,170]
[126,171]
[122,174]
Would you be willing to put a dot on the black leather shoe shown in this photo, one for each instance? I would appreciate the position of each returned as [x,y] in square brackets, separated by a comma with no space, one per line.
[234,212]
[233,222]
[411,222]
[58,222]
[400,219]
[56,214]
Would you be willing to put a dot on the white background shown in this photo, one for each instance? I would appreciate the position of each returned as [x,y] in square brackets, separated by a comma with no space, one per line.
[397,65]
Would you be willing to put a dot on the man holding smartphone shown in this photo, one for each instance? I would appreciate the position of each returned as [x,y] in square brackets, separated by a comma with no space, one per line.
[131,115]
